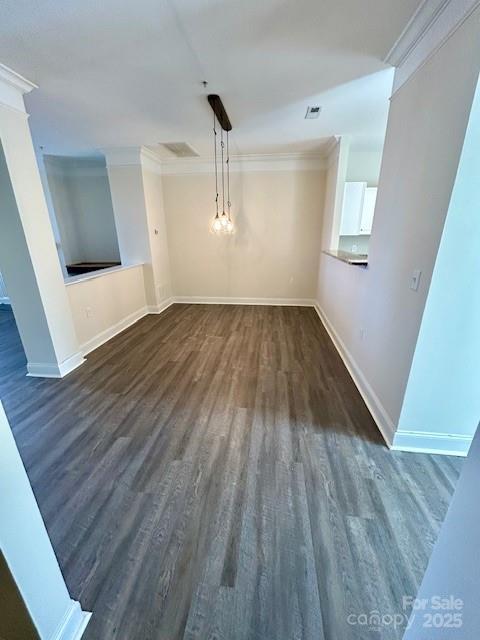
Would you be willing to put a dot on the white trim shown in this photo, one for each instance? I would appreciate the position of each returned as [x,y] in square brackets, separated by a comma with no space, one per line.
[69,365]
[136,156]
[118,327]
[430,442]
[16,80]
[73,624]
[12,89]
[330,146]
[275,302]
[151,161]
[54,370]
[111,332]
[245,163]
[73,166]
[128,321]
[84,277]
[122,156]
[429,28]
[162,306]
[380,415]
[4,299]
[133,157]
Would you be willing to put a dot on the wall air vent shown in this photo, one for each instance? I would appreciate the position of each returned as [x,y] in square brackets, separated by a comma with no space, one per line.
[180,149]
[312,112]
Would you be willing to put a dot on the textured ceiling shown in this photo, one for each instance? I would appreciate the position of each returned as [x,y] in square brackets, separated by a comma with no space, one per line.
[123,72]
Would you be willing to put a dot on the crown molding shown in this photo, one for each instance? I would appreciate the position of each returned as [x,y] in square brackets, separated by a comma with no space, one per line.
[122,156]
[16,80]
[142,156]
[69,166]
[428,29]
[332,143]
[150,160]
[133,156]
[247,163]
[13,87]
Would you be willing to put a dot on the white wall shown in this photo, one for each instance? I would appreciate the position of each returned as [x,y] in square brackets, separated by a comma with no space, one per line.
[83,208]
[155,212]
[27,549]
[106,303]
[364,166]
[28,256]
[4,299]
[443,391]
[453,568]
[373,312]
[336,174]
[354,244]
[137,194]
[274,252]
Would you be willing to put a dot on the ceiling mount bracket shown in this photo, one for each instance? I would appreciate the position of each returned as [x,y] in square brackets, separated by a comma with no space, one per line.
[219,110]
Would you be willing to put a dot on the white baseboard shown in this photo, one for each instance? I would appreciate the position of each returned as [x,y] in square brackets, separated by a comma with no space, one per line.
[162,306]
[429,442]
[73,624]
[111,332]
[284,302]
[381,417]
[53,369]
[67,366]
[118,327]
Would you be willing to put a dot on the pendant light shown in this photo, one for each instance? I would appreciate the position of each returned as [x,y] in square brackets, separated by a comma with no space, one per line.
[221,224]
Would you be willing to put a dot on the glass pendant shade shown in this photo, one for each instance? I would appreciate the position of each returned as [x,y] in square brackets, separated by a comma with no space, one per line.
[216,226]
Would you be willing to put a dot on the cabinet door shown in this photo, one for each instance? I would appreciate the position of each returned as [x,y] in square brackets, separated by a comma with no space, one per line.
[353,196]
[368,210]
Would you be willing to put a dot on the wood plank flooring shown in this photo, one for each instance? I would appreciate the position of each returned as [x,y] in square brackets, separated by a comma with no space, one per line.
[212,473]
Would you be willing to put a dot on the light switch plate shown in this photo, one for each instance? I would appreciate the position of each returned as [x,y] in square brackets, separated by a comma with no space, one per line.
[415,281]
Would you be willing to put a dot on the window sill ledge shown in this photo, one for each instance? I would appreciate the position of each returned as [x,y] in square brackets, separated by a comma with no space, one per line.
[98,274]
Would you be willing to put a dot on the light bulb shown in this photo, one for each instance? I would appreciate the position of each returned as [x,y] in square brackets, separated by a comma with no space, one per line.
[229,227]
[216,225]
[224,220]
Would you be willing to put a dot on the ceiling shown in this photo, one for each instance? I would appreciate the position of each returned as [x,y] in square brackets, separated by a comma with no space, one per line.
[123,73]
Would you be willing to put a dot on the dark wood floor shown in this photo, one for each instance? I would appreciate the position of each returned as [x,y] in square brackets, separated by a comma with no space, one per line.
[212,472]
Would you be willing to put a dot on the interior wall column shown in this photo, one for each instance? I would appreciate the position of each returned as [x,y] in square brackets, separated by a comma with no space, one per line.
[28,256]
[28,552]
[135,181]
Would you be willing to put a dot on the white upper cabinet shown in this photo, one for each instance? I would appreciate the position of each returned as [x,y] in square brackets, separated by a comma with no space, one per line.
[358,208]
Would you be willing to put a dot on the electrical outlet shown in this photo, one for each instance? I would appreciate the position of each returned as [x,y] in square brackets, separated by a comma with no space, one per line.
[363,333]
[415,280]
[88,312]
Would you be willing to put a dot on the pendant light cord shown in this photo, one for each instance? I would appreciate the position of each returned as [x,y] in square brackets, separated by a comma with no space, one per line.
[228,179]
[222,145]
[216,169]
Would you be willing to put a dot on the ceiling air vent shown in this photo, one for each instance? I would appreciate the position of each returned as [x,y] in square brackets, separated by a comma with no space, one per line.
[181,149]
[312,112]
